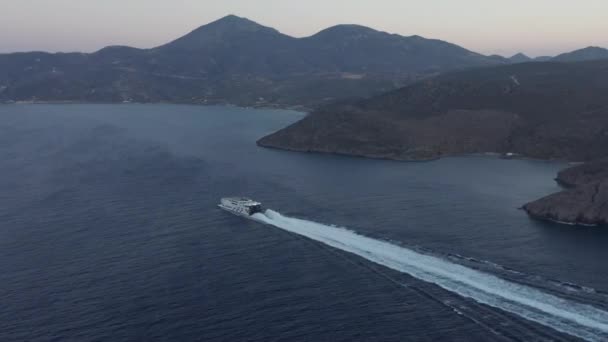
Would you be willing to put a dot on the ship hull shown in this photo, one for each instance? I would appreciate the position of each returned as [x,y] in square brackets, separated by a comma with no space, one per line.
[240,206]
[233,211]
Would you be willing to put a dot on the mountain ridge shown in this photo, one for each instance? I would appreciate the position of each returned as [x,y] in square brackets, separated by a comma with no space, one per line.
[520,58]
[585,54]
[227,27]
[238,61]
[546,110]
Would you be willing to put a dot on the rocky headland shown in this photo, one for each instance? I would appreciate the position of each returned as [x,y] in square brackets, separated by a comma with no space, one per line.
[583,202]
[543,110]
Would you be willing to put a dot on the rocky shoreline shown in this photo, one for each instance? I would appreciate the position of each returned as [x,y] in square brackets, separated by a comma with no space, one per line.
[353,154]
[584,200]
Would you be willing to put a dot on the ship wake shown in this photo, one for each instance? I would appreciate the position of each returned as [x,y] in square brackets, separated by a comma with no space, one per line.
[564,315]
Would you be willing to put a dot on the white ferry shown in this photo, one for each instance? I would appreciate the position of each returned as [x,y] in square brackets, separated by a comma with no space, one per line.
[240,206]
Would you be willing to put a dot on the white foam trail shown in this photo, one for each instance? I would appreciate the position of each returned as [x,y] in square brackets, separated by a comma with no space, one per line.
[564,315]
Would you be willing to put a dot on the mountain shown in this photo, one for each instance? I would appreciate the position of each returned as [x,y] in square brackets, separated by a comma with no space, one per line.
[498,59]
[229,46]
[228,30]
[239,61]
[543,110]
[520,58]
[586,54]
[354,48]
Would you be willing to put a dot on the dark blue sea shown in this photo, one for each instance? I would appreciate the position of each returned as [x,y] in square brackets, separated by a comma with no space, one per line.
[110,231]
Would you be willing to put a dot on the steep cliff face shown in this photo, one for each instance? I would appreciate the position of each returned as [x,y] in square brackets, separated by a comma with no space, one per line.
[584,203]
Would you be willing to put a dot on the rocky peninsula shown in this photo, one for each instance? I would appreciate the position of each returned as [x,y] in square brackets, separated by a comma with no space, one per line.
[538,110]
[583,202]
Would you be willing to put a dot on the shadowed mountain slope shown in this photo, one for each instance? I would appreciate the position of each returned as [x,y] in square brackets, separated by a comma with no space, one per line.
[542,110]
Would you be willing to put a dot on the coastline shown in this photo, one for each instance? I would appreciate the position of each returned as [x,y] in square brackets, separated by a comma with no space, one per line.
[499,155]
[555,208]
[353,155]
[296,108]
[566,223]
[535,214]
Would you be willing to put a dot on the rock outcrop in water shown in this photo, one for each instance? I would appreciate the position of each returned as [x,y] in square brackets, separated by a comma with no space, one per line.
[585,202]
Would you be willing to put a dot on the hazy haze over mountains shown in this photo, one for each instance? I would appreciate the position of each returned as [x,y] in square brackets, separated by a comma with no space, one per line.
[539,27]
[235,60]
[586,54]
[238,61]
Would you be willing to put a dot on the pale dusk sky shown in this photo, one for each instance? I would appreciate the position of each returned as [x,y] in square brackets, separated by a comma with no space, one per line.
[535,27]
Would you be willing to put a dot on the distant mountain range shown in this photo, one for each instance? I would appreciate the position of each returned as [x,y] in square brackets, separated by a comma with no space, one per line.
[522,58]
[235,60]
[586,54]
[583,202]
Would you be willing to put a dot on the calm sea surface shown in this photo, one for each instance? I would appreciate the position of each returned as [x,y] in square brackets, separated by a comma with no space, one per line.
[109,231]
